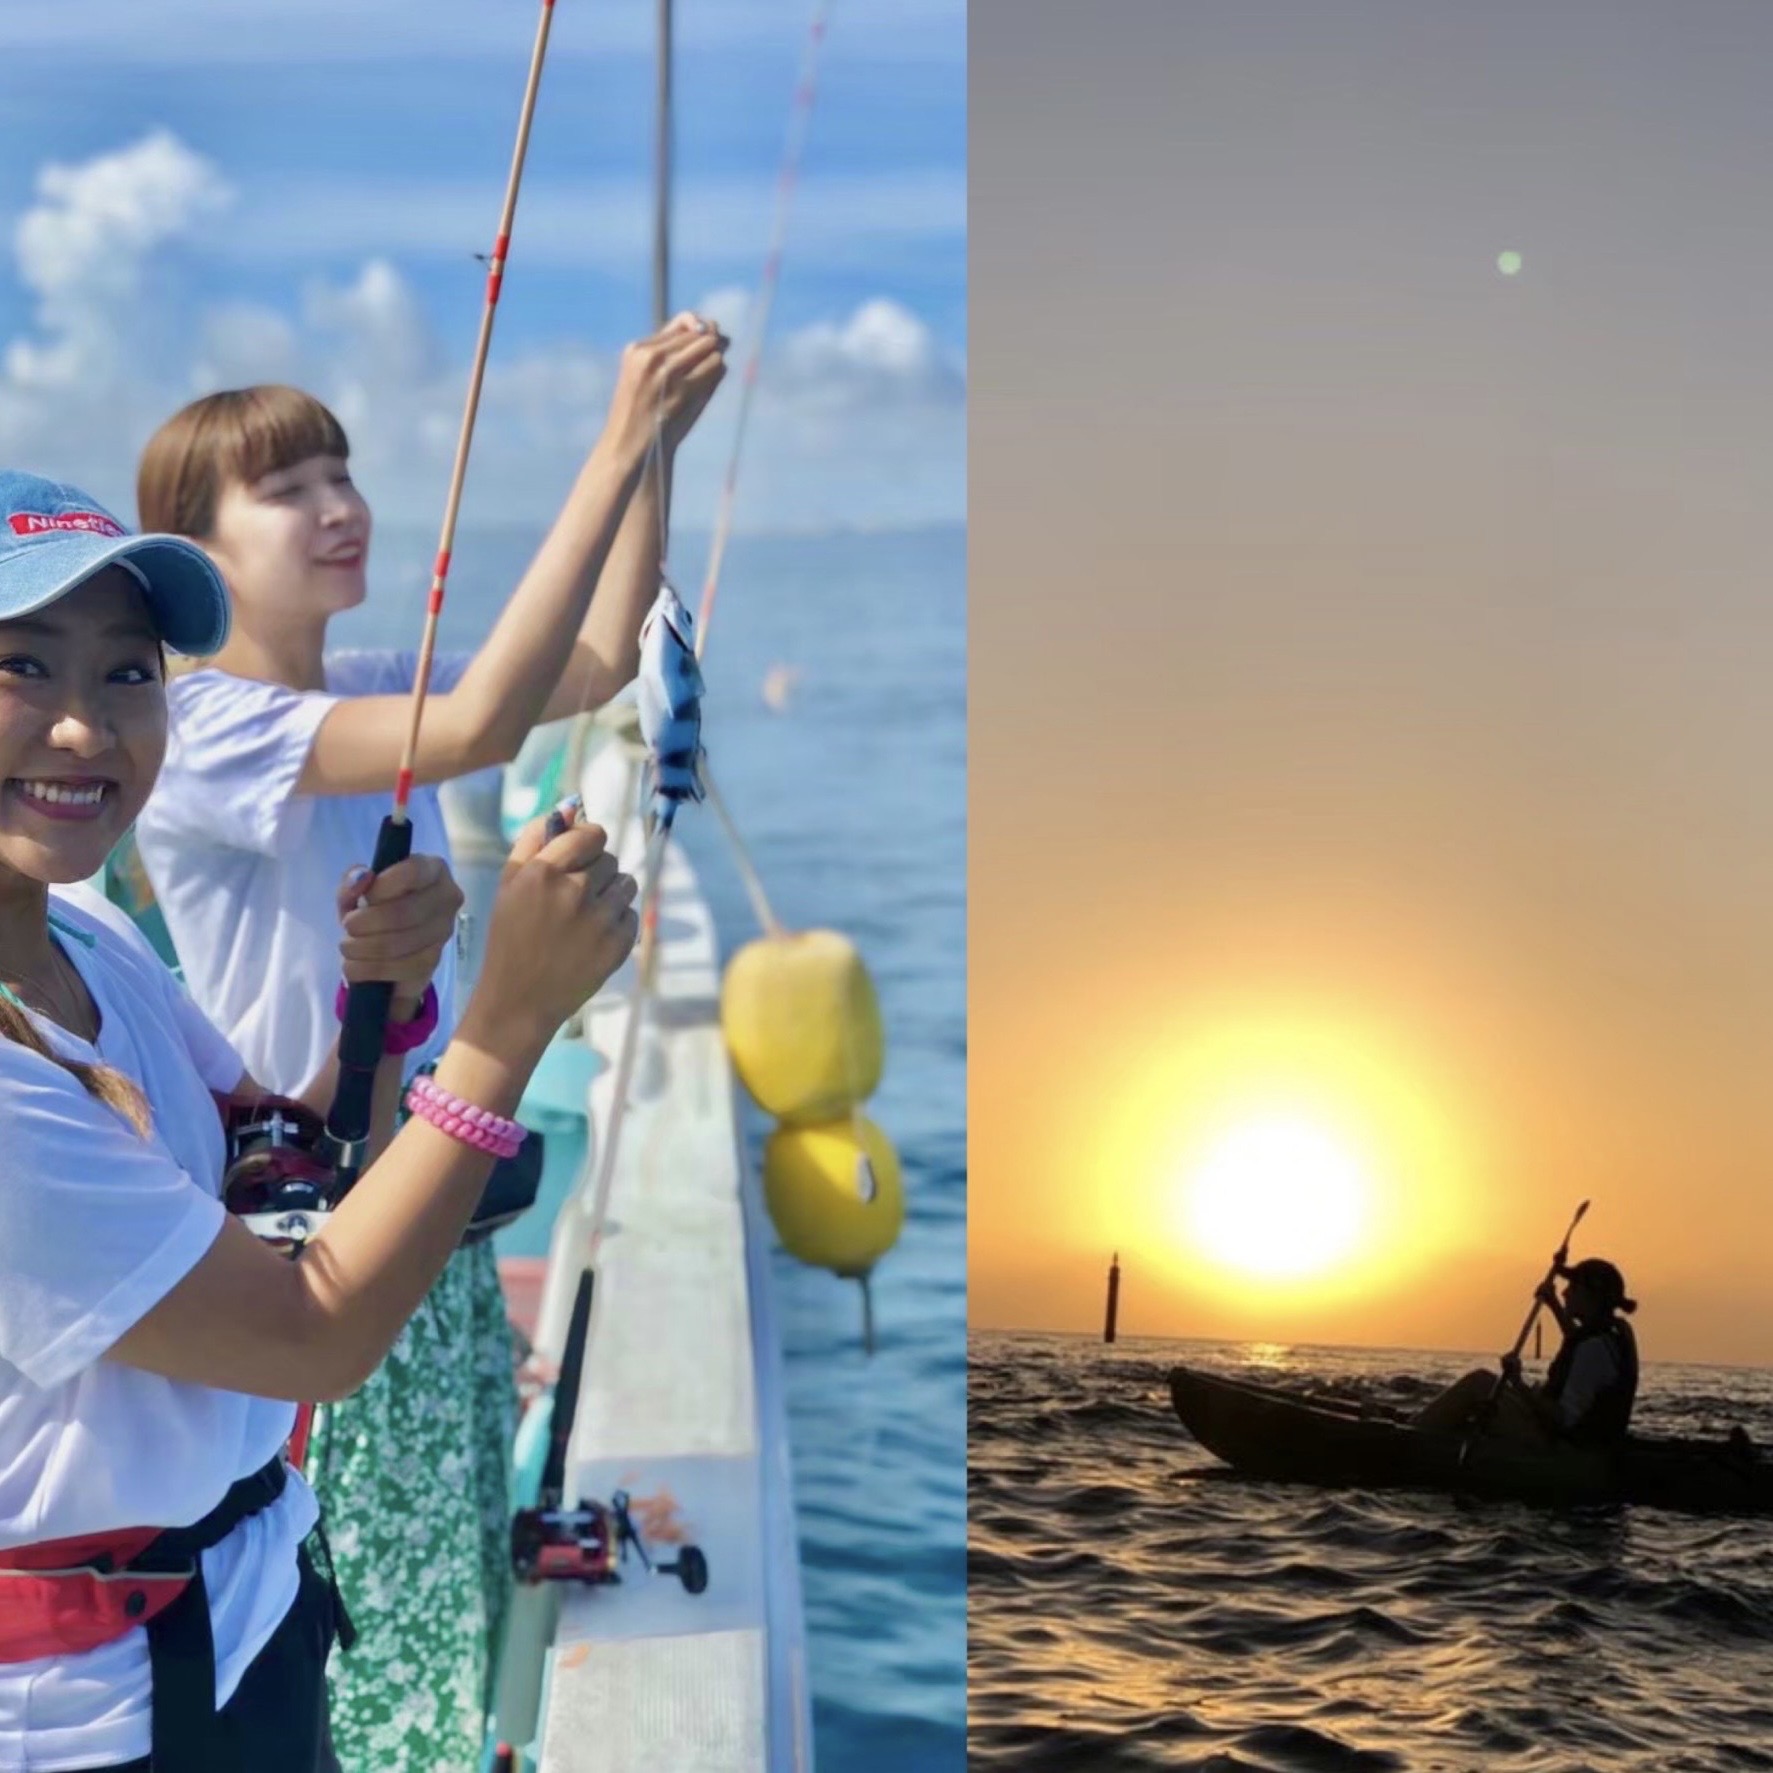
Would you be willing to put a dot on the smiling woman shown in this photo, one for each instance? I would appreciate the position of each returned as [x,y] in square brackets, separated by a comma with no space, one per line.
[159,1600]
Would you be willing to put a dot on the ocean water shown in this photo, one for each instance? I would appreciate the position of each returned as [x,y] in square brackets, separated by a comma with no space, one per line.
[1135,1606]
[852,802]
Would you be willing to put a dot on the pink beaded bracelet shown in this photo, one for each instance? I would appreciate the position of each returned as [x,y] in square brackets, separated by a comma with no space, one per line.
[485,1131]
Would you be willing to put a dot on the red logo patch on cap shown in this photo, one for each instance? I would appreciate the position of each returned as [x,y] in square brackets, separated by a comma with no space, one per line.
[37,523]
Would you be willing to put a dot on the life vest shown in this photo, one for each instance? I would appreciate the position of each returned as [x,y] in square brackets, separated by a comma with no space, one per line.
[1609,1416]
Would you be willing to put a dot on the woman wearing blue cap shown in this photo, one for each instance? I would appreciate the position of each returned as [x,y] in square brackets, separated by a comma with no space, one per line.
[156,1607]
[283,753]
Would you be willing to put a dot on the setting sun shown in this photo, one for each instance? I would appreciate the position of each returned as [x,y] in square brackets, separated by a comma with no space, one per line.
[1279,1197]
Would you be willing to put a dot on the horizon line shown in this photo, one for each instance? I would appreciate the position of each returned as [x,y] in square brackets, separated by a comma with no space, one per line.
[1095,1335]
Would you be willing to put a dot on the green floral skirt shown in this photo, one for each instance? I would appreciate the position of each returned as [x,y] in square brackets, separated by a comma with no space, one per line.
[414,1476]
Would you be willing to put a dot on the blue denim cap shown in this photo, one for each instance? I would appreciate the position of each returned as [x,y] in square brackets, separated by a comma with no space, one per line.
[53,538]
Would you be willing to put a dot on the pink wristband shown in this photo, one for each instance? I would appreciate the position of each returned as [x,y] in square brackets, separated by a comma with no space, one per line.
[427,1100]
[401,1037]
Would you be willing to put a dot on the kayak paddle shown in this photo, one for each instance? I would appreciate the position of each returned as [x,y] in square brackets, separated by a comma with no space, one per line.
[1557,1268]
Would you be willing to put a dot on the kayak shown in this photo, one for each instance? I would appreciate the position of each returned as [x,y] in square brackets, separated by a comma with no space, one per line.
[1264,1433]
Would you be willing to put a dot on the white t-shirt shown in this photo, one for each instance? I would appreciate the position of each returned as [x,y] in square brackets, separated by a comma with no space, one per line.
[247,871]
[97,1225]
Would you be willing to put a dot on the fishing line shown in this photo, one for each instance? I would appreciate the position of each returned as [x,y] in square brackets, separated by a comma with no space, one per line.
[367,1004]
[651,878]
[651,871]
[786,184]
[748,875]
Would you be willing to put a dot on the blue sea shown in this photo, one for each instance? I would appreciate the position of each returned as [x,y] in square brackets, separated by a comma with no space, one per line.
[852,801]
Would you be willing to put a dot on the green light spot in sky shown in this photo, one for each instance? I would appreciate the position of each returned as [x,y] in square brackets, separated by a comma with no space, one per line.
[1508,263]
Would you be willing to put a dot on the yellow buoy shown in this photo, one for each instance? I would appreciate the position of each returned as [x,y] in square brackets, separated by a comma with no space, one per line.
[835,1194]
[803,1025]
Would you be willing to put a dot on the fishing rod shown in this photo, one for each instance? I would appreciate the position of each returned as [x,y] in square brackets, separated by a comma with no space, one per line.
[676,745]
[787,183]
[772,276]
[566,1396]
[367,1003]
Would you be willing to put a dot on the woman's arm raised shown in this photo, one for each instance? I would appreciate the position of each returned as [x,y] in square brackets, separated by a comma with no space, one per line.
[546,649]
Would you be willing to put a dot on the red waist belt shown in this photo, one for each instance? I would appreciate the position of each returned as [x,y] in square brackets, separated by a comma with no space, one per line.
[64,1596]
[69,1595]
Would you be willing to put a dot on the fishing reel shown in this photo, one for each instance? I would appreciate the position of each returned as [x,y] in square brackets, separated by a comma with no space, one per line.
[280,1179]
[590,1544]
[552,1543]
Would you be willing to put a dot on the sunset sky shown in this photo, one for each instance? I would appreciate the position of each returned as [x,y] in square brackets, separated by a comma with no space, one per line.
[1372,660]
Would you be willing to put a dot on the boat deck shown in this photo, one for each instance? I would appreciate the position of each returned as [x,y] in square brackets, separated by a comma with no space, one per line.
[680,1402]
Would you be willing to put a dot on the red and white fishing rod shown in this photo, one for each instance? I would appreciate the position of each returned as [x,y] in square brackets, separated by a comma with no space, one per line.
[367,1005]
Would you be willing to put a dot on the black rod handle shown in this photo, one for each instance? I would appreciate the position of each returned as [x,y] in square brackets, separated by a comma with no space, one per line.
[566,1393]
[365,1029]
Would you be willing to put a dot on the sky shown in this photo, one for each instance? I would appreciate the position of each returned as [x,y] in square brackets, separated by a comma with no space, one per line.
[189,201]
[1369,656]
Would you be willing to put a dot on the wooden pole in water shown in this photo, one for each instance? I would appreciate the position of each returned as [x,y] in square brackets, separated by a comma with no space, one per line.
[1113,1297]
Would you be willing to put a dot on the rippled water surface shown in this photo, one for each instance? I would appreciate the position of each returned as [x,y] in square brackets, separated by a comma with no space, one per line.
[1133,1606]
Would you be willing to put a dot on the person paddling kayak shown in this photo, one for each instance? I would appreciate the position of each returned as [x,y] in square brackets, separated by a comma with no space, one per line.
[1592,1383]
[157,1608]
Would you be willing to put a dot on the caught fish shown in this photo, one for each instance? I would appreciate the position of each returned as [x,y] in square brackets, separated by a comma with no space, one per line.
[669,692]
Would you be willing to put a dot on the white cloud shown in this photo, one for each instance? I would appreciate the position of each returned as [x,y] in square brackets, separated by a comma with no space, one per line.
[728,307]
[91,250]
[858,419]
[94,223]
[376,322]
[883,352]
